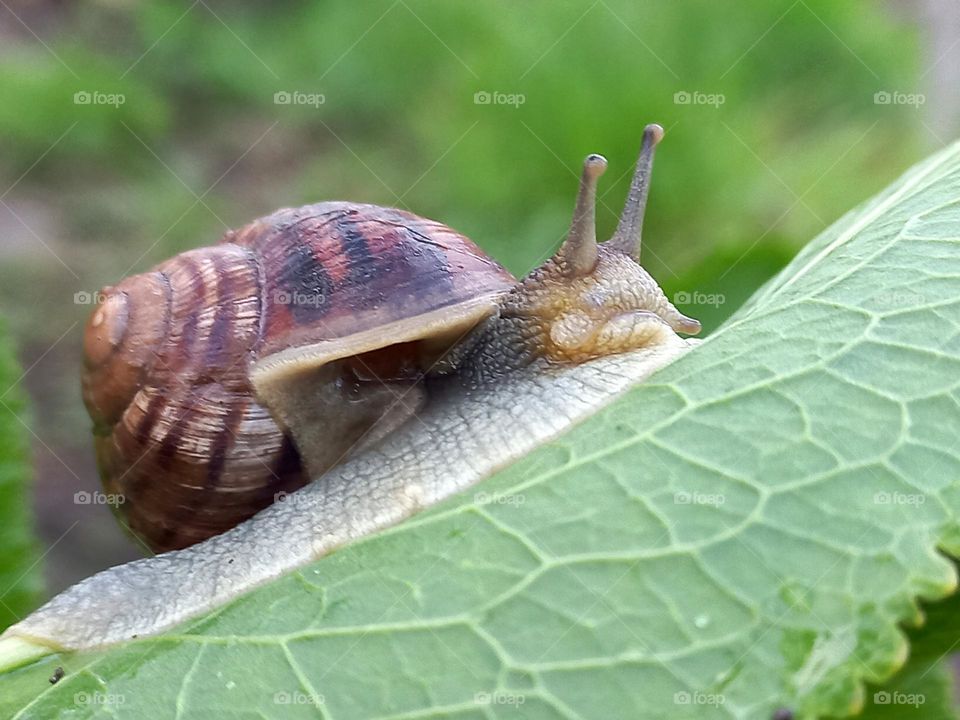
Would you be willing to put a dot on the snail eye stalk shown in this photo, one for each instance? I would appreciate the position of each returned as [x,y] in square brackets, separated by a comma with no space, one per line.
[579,251]
[627,237]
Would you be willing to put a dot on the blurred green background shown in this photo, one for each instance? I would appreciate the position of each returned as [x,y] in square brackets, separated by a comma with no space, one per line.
[131,131]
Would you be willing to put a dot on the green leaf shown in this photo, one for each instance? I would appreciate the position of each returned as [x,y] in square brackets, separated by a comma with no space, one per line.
[744,533]
[19,574]
[923,689]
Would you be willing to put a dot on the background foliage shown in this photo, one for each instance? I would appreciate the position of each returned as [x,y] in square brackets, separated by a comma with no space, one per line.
[19,575]
[399,124]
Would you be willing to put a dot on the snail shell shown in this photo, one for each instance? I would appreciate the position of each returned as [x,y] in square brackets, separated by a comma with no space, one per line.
[211,377]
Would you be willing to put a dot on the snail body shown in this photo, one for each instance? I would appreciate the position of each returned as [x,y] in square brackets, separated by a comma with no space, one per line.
[462,436]
[517,367]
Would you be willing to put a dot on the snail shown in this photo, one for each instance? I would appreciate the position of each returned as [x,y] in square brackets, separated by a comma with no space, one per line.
[421,368]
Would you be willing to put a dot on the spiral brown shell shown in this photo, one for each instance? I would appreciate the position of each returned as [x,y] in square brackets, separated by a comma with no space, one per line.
[181,437]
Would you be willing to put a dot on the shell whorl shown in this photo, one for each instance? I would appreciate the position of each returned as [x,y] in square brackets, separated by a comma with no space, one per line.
[179,435]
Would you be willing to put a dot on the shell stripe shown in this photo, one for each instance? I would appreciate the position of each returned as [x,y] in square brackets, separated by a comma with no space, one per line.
[218,344]
[305,285]
[152,413]
[176,355]
[167,319]
[356,249]
[219,448]
[142,433]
